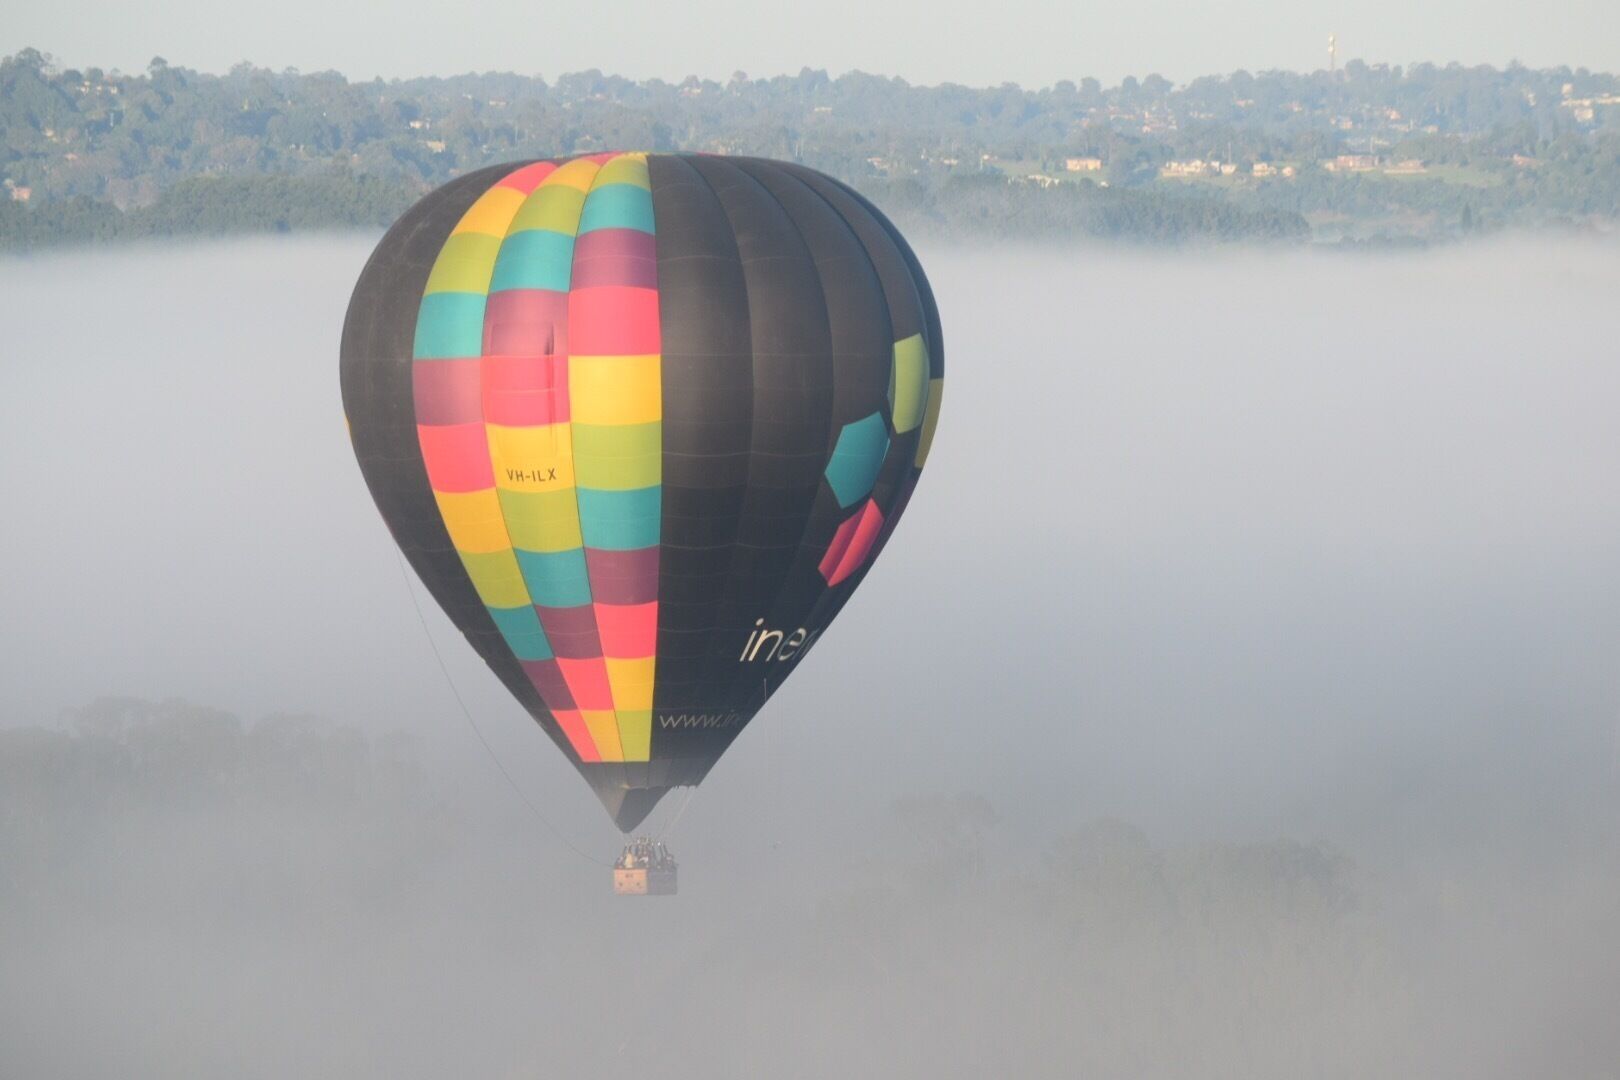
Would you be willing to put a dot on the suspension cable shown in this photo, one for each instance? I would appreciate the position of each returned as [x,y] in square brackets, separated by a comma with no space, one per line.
[471,723]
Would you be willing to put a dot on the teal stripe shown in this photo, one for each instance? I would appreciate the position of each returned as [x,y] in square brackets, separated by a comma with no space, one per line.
[555,579]
[617,206]
[534,259]
[522,631]
[857,458]
[450,325]
[620,520]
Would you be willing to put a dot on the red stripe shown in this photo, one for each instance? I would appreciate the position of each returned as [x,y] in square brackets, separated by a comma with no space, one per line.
[456,457]
[588,682]
[579,736]
[524,391]
[628,631]
[528,178]
[851,544]
[613,320]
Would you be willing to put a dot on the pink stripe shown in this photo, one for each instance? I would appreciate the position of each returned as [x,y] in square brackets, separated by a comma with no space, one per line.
[525,391]
[629,631]
[851,544]
[456,457]
[528,178]
[579,736]
[588,682]
[613,320]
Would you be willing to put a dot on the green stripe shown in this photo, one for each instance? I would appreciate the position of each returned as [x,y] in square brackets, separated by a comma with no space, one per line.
[618,457]
[552,206]
[464,263]
[908,384]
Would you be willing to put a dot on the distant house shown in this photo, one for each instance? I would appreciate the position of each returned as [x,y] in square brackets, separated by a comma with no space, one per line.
[1585,110]
[1083,164]
[1352,163]
[1406,167]
[1263,168]
[1198,167]
[1195,167]
[21,194]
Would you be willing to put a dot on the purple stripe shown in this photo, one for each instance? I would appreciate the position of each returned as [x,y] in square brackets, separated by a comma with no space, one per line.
[447,391]
[571,631]
[623,577]
[547,677]
[526,322]
[615,257]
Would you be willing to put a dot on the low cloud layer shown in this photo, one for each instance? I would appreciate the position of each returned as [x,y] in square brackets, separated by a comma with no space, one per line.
[1238,697]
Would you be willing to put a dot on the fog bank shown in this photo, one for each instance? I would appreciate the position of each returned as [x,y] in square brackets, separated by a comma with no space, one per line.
[1239,697]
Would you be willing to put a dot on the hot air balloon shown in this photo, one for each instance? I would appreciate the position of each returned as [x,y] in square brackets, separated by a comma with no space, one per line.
[641,424]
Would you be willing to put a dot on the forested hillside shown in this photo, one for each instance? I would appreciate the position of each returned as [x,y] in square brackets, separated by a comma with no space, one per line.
[1367,152]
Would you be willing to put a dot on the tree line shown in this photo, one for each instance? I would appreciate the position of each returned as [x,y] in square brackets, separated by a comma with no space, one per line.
[90,154]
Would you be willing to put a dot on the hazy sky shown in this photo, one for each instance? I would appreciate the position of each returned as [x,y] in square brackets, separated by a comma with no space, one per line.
[966,41]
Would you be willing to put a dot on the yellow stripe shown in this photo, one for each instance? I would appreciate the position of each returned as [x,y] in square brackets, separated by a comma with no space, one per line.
[464,264]
[605,733]
[542,520]
[497,578]
[492,213]
[615,389]
[631,682]
[576,174]
[635,735]
[625,169]
[936,390]
[474,520]
[539,458]
[910,382]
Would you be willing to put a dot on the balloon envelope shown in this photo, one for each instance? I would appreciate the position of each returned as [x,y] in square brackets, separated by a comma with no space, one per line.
[641,423]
